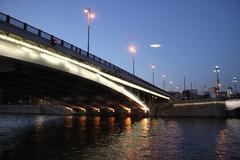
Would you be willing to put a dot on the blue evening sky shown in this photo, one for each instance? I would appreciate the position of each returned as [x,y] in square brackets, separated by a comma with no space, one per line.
[195,35]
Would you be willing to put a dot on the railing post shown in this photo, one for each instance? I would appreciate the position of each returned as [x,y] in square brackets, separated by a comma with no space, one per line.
[25,26]
[7,19]
[39,32]
[53,41]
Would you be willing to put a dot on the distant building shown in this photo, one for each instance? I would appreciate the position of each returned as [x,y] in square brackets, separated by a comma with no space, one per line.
[212,92]
[190,94]
[176,95]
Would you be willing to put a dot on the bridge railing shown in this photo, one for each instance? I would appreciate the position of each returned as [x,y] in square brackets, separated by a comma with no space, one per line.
[28,28]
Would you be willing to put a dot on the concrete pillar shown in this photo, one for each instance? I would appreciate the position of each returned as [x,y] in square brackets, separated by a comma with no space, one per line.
[151,105]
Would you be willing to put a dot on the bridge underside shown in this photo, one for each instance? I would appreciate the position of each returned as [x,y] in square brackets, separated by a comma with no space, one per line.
[26,83]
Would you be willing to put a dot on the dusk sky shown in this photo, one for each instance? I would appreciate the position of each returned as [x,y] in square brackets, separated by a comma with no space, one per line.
[195,35]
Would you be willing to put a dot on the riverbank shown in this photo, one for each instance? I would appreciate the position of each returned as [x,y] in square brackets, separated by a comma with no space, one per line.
[201,108]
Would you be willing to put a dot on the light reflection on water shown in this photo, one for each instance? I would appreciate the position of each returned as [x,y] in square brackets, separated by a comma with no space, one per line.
[73,137]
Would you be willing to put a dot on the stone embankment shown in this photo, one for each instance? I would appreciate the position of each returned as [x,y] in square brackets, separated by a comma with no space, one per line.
[200,108]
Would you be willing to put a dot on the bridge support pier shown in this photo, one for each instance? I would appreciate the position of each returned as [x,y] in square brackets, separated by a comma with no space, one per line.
[155,104]
[149,100]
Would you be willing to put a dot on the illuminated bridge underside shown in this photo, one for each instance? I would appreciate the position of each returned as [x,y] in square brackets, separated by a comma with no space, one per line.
[58,87]
[35,71]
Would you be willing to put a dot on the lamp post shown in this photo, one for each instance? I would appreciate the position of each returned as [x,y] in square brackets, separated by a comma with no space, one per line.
[217,70]
[164,81]
[171,83]
[153,67]
[90,16]
[133,51]
[235,83]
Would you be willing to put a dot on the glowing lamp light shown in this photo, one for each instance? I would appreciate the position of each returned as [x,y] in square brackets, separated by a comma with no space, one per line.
[111,109]
[216,69]
[92,15]
[96,109]
[132,49]
[155,45]
[152,66]
[234,80]
[83,109]
[85,10]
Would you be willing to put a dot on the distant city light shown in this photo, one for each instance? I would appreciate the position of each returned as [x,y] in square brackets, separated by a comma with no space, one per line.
[155,45]
[234,79]
[216,69]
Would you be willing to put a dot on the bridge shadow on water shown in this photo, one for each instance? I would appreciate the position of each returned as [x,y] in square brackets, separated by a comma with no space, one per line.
[59,137]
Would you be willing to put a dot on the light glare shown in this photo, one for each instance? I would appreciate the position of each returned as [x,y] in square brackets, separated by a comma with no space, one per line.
[155,45]
[92,15]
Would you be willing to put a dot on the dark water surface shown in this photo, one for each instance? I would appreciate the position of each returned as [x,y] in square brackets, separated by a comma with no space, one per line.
[73,137]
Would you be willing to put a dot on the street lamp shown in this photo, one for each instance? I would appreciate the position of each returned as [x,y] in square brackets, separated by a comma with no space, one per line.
[235,82]
[217,70]
[153,67]
[133,51]
[90,16]
[164,82]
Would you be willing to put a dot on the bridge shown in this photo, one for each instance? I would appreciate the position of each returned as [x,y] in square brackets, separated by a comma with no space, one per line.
[37,68]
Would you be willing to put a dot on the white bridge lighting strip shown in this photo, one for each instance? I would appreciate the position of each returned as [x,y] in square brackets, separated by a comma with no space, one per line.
[132,85]
[17,49]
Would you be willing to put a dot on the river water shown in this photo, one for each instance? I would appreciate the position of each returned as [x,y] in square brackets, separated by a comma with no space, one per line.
[73,137]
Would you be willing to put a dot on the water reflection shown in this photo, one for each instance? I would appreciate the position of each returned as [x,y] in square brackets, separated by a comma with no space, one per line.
[69,122]
[39,123]
[127,123]
[222,144]
[82,121]
[111,124]
[73,137]
[39,128]
[97,121]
